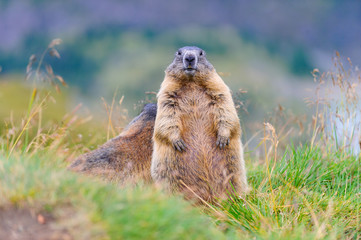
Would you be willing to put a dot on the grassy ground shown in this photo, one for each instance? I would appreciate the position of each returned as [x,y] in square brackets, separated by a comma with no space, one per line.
[92,209]
[305,194]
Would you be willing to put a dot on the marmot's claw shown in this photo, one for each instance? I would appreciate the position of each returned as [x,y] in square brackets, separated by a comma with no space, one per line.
[222,142]
[179,145]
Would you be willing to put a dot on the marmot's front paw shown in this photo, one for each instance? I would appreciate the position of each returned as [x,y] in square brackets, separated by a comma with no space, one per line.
[222,142]
[179,145]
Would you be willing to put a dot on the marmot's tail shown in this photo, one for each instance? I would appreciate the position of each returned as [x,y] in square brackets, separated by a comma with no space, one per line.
[125,157]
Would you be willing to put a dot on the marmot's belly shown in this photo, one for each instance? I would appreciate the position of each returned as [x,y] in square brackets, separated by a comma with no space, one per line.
[204,160]
[200,135]
[203,163]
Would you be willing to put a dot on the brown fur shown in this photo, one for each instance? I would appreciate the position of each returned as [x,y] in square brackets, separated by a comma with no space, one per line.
[126,158]
[197,110]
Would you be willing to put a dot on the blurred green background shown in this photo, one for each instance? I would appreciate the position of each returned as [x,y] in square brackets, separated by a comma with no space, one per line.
[267,48]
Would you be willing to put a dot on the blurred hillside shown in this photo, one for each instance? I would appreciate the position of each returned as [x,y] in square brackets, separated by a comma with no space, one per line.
[265,47]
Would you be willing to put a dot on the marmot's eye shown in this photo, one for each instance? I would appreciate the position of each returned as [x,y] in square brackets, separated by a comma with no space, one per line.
[201,53]
[179,53]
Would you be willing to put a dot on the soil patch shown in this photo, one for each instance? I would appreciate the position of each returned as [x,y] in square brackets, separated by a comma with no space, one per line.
[24,224]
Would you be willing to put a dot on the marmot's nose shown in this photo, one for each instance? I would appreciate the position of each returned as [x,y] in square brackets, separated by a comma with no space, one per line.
[190,60]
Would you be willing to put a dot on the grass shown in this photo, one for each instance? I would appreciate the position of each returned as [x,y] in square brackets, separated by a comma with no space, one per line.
[42,182]
[306,194]
[308,191]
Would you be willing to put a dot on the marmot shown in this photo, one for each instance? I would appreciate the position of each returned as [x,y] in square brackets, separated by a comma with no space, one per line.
[197,134]
[126,158]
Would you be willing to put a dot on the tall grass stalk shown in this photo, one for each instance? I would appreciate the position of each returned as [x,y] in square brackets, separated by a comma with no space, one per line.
[37,76]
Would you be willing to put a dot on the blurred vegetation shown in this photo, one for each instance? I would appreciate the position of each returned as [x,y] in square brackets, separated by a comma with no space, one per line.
[128,62]
[262,47]
[15,95]
[104,210]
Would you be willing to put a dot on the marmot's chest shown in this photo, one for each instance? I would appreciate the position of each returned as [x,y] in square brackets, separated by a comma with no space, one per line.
[195,99]
[197,119]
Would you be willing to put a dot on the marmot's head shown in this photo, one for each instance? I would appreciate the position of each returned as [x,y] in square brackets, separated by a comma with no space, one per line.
[189,63]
